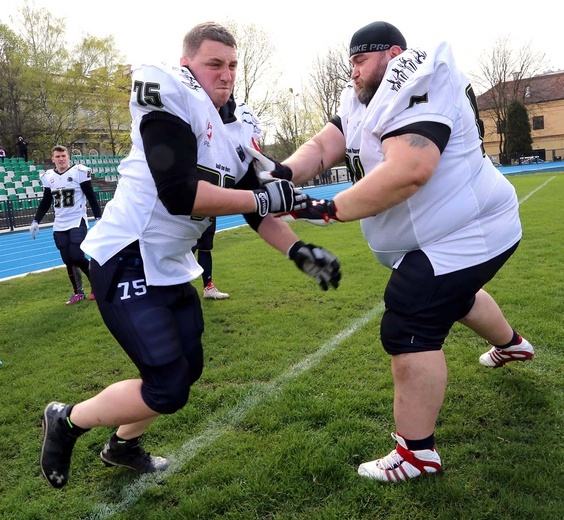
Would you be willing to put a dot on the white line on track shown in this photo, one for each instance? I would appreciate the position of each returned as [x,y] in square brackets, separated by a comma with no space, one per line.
[222,423]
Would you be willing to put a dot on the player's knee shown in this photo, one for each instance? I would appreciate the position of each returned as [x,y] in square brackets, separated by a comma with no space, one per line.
[172,388]
[388,334]
[195,373]
[402,334]
[169,402]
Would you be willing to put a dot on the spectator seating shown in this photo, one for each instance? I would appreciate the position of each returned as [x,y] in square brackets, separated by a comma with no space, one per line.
[20,180]
[104,167]
[14,170]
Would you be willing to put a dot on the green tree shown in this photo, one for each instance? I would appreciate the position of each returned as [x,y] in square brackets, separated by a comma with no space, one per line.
[78,98]
[49,95]
[518,130]
[104,118]
[13,114]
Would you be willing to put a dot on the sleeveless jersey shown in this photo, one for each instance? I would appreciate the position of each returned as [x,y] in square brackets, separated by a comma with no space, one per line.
[467,213]
[69,201]
[136,212]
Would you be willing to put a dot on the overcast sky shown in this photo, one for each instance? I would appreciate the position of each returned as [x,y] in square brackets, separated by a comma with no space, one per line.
[302,30]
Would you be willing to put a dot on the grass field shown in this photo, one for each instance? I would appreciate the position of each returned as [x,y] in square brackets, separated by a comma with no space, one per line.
[296,392]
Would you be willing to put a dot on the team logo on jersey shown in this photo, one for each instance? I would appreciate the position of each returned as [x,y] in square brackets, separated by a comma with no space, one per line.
[209,131]
[250,119]
[415,100]
[187,79]
[405,67]
[240,153]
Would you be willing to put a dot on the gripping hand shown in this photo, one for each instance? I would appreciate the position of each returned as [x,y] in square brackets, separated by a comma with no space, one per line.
[279,196]
[266,169]
[34,229]
[317,263]
[319,212]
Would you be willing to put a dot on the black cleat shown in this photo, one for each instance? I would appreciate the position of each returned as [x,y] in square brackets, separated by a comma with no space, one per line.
[132,456]
[58,443]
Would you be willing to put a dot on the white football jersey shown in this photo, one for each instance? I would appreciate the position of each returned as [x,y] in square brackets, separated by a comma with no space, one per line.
[136,212]
[69,201]
[468,212]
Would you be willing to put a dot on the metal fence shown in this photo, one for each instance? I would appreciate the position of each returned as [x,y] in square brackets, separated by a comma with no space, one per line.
[536,157]
[18,213]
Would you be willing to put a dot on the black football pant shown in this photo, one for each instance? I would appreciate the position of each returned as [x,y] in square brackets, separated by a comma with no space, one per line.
[159,327]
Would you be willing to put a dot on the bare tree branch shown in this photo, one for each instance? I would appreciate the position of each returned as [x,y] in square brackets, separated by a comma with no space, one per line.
[503,75]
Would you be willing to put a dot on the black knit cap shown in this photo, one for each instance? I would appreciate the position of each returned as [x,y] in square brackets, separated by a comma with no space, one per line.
[376,36]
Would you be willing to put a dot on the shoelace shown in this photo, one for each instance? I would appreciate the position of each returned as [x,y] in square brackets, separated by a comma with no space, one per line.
[391,461]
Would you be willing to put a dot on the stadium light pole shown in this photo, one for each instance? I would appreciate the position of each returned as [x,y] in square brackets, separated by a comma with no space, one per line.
[294,96]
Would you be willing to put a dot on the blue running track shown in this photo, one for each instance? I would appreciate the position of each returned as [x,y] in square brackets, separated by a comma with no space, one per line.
[20,254]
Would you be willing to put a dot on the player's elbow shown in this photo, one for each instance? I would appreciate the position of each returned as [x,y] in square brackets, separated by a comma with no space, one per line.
[178,200]
[178,197]
[421,169]
[421,176]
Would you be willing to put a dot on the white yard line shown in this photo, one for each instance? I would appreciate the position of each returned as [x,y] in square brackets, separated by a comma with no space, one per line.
[535,190]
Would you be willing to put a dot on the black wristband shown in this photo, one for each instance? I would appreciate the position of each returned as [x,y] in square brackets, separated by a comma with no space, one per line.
[294,249]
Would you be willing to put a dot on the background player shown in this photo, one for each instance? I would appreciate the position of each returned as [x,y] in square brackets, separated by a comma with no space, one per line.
[67,187]
[204,246]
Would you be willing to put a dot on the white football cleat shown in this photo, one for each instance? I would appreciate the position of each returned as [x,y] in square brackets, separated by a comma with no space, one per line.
[211,292]
[401,463]
[497,357]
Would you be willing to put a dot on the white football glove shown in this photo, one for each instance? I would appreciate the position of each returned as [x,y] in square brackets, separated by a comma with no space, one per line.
[266,169]
[34,229]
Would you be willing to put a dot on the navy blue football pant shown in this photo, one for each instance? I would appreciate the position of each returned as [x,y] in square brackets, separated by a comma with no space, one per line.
[204,246]
[159,327]
[68,243]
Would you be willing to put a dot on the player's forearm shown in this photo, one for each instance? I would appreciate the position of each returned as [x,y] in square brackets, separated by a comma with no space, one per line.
[382,189]
[305,163]
[409,163]
[44,206]
[92,199]
[321,152]
[212,201]
[277,233]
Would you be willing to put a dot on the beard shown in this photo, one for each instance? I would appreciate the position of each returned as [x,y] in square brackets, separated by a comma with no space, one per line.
[371,84]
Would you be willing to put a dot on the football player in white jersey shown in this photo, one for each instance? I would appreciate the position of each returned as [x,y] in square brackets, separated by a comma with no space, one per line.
[432,208]
[67,188]
[189,149]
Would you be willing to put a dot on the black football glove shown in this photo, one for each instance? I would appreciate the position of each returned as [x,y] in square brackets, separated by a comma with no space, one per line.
[279,196]
[319,212]
[316,262]
[266,169]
